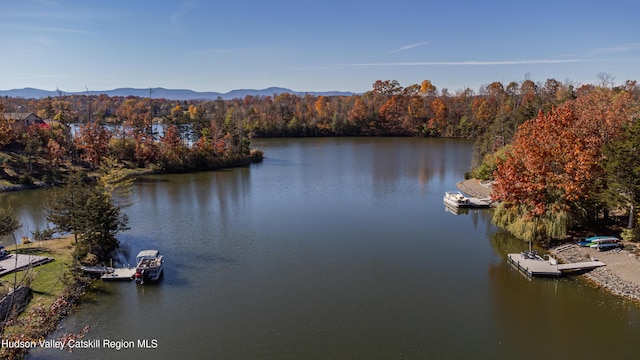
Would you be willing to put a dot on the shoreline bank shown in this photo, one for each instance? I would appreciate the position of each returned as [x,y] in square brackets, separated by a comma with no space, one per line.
[620,276]
[52,300]
[228,163]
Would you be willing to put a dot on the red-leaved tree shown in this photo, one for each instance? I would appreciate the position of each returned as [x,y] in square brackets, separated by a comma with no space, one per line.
[552,173]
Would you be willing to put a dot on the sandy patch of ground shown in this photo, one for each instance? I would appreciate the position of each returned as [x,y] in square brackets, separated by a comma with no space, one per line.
[621,275]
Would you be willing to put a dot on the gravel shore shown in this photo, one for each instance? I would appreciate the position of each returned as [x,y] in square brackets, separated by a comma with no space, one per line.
[620,276]
[475,188]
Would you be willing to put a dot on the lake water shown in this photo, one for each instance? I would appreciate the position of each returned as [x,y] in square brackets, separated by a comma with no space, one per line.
[335,249]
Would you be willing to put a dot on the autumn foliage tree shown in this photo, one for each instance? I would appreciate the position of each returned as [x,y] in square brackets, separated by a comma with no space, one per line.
[55,152]
[171,150]
[437,123]
[551,176]
[93,142]
[6,133]
[135,116]
[534,182]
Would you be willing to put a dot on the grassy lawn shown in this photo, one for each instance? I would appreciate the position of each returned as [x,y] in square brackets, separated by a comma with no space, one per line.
[47,283]
[46,280]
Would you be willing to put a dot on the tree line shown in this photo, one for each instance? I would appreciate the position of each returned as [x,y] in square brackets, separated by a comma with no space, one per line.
[491,115]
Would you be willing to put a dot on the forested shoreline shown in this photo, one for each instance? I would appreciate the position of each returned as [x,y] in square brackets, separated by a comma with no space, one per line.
[544,144]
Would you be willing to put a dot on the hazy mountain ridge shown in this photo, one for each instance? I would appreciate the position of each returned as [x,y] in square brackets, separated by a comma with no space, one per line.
[171,94]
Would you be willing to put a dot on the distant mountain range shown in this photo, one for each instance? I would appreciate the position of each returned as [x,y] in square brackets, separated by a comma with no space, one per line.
[170,94]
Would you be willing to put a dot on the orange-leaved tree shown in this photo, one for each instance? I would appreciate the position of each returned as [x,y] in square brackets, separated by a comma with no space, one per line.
[6,133]
[546,169]
[93,142]
[551,174]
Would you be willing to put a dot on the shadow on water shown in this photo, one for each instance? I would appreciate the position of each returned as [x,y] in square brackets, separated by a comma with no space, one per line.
[150,179]
[97,291]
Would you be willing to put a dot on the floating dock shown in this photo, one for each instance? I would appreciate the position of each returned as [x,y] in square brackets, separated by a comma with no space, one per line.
[479,203]
[119,274]
[109,273]
[533,265]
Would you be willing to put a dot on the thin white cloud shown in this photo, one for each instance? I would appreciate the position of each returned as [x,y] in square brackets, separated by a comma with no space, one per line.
[408,47]
[617,49]
[472,63]
[182,11]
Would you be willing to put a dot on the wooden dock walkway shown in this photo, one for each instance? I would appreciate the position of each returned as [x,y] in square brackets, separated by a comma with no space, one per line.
[18,262]
[107,273]
[534,265]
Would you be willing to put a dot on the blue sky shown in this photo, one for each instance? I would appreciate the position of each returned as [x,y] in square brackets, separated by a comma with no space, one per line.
[313,45]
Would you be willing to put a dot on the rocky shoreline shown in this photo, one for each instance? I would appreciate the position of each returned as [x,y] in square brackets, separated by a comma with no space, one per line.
[620,276]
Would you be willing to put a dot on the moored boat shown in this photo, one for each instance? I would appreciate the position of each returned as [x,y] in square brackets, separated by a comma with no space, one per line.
[149,266]
[456,199]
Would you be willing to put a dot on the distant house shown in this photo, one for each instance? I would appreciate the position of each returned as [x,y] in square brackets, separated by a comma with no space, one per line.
[25,118]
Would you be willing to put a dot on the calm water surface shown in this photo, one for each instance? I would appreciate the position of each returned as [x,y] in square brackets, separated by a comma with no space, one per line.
[335,249]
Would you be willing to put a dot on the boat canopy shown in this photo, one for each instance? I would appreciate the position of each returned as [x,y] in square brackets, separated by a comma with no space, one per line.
[147,254]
